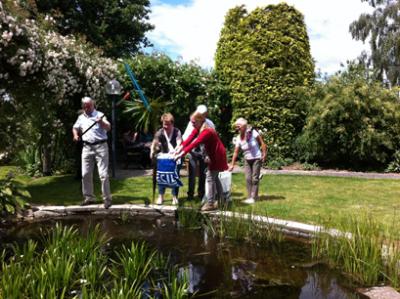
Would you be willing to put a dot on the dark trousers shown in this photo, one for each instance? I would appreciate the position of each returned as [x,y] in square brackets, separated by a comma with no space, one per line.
[195,159]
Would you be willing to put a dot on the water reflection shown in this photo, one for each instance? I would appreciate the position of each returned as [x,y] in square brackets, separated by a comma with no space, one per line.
[220,269]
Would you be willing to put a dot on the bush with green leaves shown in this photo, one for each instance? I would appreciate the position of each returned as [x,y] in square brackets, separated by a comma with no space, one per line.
[353,122]
[264,56]
[394,165]
[172,86]
[13,196]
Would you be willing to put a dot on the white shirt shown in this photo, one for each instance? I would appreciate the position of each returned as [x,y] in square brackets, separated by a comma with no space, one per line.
[190,127]
[249,145]
[96,133]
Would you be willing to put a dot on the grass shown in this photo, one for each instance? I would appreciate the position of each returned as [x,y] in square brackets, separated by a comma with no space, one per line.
[306,199]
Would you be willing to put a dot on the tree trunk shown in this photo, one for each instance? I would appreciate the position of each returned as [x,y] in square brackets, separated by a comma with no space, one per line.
[46,160]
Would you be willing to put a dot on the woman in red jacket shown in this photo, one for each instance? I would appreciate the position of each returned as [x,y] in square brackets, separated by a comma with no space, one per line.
[203,134]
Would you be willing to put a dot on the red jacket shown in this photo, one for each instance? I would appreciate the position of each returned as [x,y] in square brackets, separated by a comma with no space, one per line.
[213,145]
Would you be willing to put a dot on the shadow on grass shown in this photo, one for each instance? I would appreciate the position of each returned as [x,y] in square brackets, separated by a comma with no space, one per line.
[123,199]
[237,194]
[271,197]
[57,190]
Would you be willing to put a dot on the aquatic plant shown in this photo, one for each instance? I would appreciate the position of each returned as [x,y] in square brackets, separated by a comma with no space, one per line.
[72,265]
[366,250]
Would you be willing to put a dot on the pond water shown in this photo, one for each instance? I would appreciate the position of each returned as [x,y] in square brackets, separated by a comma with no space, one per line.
[216,269]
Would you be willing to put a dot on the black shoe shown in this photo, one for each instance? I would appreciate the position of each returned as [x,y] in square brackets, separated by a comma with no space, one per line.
[107,204]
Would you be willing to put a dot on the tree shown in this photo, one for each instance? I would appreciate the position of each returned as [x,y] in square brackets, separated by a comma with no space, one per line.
[353,122]
[118,27]
[381,28]
[264,56]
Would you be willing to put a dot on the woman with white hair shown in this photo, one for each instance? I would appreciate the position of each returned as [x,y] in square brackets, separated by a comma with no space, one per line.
[254,152]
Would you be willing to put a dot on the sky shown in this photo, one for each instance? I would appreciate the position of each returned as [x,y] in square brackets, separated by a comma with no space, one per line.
[189,29]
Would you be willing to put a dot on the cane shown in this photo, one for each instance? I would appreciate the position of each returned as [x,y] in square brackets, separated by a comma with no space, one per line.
[91,126]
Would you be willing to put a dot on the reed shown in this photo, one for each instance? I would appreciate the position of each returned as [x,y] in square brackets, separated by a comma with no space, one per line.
[71,265]
[366,250]
[246,227]
[190,218]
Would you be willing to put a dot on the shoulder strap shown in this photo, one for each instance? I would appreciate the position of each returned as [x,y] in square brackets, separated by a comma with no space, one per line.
[170,147]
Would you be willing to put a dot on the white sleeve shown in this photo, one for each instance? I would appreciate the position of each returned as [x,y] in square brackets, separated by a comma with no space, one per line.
[210,123]
[188,131]
[255,134]
[77,124]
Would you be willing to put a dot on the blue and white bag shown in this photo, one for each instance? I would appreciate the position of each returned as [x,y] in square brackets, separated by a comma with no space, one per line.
[167,174]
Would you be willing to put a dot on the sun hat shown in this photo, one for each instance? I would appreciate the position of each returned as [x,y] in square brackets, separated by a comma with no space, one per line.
[201,109]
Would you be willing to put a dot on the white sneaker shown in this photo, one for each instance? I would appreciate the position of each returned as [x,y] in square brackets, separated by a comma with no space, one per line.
[159,200]
[175,200]
[249,200]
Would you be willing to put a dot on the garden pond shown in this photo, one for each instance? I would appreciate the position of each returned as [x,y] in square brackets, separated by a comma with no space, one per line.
[216,268]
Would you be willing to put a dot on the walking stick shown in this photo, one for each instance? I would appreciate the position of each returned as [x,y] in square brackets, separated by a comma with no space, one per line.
[154,162]
[91,126]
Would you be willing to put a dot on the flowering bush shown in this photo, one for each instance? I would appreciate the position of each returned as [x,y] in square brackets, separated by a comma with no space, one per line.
[44,75]
[62,65]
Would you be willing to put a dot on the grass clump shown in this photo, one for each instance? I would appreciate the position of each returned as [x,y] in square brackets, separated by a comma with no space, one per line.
[247,227]
[364,249]
[75,266]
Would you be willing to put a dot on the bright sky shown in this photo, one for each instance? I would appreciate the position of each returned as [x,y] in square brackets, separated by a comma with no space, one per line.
[189,29]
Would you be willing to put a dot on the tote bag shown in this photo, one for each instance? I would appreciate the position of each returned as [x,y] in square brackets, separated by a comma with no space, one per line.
[167,174]
[225,177]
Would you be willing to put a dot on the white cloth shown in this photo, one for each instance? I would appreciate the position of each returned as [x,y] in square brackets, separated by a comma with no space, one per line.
[249,145]
[96,133]
[190,127]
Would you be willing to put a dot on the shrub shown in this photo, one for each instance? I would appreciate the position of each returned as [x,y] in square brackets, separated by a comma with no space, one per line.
[353,122]
[394,166]
[12,196]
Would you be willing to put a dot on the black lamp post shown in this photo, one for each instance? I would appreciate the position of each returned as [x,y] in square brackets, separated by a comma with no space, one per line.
[113,90]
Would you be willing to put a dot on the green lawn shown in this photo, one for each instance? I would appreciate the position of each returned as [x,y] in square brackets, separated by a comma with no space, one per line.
[301,198]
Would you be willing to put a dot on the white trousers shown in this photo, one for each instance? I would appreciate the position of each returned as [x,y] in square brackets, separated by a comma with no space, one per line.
[90,154]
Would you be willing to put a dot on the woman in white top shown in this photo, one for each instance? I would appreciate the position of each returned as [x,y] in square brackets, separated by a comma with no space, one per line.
[254,152]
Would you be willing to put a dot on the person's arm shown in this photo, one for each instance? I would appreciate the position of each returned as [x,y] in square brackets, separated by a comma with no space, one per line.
[188,131]
[187,146]
[234,157]
[103,122]
[201,138]
[76,129]
[75,133]
[263,147]
[189,140]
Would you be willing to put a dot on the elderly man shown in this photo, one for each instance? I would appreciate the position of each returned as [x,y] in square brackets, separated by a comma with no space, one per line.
[92,127]
[197,157]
